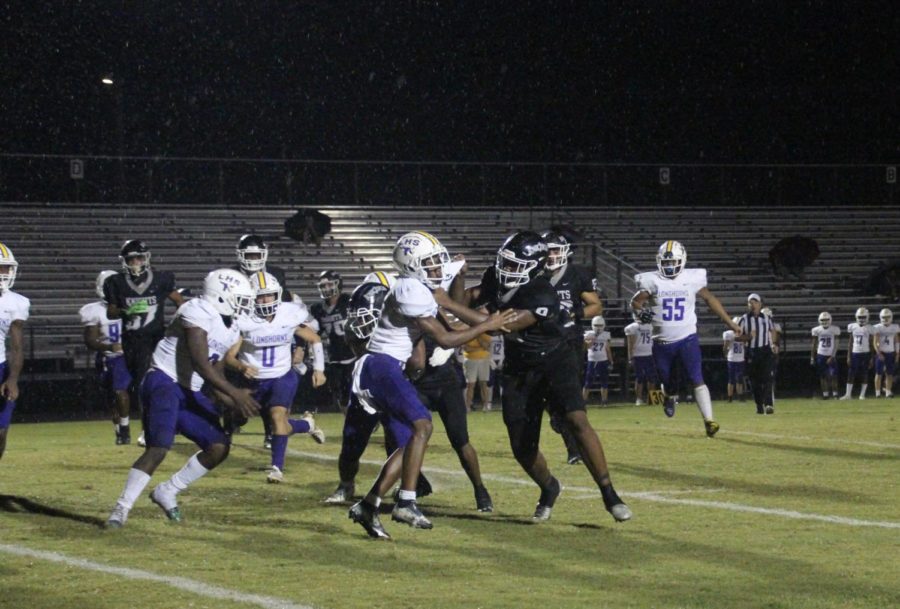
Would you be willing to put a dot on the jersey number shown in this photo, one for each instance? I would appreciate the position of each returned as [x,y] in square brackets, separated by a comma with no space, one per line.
[114,332]
[268,357]
[858,339]
[825,341]
[673,309]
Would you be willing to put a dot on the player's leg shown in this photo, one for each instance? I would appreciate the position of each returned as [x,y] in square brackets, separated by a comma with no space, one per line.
[663,359]
[603,381]
[889,365]
[120,381]
[692,364]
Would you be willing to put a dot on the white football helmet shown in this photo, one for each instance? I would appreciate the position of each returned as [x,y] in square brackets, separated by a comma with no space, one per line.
[229,291]
[417,254]
[101,279]
[670,259]
[265,284]
[824,319]
[598,324]
[862,316]
[886,316]
[258,251]
[8,268]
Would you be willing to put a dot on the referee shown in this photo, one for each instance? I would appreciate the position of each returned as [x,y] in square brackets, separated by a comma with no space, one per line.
[757,333]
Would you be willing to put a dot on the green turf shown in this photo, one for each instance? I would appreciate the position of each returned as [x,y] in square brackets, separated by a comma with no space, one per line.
[813,458]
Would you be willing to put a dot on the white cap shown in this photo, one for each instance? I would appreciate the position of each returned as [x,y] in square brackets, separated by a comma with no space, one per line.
[754,296]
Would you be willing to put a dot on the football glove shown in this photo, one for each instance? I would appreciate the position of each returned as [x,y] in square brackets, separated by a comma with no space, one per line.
[646,316]
[137,308]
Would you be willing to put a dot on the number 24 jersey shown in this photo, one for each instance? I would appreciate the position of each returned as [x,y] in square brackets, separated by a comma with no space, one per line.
[673,302]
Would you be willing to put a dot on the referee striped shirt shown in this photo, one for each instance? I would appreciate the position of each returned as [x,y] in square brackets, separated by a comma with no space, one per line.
[759,328]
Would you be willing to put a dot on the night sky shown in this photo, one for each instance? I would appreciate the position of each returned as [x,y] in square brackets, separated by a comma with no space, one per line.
[475,81]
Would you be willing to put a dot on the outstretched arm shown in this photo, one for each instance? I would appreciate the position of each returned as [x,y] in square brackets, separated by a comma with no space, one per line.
[454,338]
[716,307]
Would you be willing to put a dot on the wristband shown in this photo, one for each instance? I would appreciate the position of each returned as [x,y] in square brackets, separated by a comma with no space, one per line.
[318,357]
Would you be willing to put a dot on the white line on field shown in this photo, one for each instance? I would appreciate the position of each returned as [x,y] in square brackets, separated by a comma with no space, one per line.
[182,583]
[657,496]
[774,436]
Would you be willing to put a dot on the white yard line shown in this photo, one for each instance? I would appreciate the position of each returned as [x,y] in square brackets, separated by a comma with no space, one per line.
[182,583]
[772,436]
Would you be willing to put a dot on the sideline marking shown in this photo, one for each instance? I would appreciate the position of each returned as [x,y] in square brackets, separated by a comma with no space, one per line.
[182,583]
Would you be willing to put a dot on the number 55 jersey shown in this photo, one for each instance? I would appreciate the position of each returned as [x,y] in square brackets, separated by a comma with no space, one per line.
[673,302]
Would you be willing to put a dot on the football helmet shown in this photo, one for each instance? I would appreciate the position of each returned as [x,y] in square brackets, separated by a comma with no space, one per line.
[558,249]
[138,253]
[862,316]
[521,258]
[101,279]
[598,324]
[670,259]
[365,307]
[824,319]
[330,284]
[8,268]
[229,291]
[886,316]
[252,253]
[417,254]
[265,284]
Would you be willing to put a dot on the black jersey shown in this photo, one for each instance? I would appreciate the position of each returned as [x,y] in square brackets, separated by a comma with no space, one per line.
[121,291]
[437,376]
[331,328]
[528,347]
[275,271]
[570,285]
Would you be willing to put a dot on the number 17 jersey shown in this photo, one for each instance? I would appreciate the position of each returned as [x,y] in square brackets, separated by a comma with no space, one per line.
[673,302]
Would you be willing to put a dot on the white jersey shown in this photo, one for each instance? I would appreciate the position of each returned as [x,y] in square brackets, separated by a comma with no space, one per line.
[497,353]
[643,344]
[13,307]
[735,348]
[596,351]
[171,355]
[827,339]
[886,336]
[267,344]
[94,314]
[673,302]
[397,331]
[861,335]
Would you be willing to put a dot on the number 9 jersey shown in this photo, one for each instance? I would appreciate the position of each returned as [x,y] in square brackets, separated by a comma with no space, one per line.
[673,302]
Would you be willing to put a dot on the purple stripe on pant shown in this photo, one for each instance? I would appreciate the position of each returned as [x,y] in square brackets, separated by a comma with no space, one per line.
[171,408]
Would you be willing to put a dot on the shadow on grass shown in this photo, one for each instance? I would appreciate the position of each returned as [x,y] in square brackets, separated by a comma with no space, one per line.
[818,451]
[11,503]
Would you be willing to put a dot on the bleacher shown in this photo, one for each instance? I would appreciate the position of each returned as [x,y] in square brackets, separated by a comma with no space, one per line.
[62,247]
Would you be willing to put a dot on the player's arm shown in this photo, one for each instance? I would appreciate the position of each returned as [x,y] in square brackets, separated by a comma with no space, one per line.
[726,345]
[92,340]
[812,350]
[415,365]
[773,339]
[630,340]
[591,305]
[449,339]
[849,347]
[460,311]
[315,343]
[715,305]
[15,358]
[457,289]
[639,302]
[232,361]
[176,297]
[198,350]
[609,353]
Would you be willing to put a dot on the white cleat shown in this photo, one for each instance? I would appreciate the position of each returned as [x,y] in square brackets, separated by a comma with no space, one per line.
[275,475]
[117,518]
[341,494]
[620,512]
[862,397]
[639,402]
[844,397]
[141,441]
[317,433]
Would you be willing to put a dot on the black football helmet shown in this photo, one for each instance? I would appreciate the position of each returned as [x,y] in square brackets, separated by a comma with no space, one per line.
[329,284]
[521,258]
[135,257]
[559,249]
[252,253]
[364,309]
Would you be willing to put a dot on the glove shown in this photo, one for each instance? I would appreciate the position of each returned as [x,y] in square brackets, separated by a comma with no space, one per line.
[137,308]
[300,369]
[440,356]
[646,316]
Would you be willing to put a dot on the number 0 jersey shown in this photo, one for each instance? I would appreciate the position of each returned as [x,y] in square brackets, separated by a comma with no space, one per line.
[94,314]
[267,344]
[13,307]
[171,355]
[673,302]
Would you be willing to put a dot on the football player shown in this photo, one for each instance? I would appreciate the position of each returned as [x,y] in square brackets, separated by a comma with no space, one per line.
[823,354]
[639,342]
[379,383]
[104,336]
[734,358]
[541,368]
[137,295]
[263,358]
[331,314]
[667,298]
[859,358]
[599,359]
[884,343]
[202,331]
[13,315]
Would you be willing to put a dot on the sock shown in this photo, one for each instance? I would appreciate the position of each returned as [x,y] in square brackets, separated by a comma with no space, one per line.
[704,402]
[116,425]
[298,426]
[189,473]
[406,497]
[279,447]
[862,390]
[824,394]
[123,421]
[849,388]
[373,500]
[134,486]
[610,497]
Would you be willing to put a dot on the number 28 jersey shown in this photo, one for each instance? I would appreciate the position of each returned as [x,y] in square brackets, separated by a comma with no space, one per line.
[673,302]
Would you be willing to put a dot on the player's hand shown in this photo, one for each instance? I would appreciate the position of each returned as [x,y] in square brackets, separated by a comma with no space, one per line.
[138,308]
[441,297]
[318,378]
[465,267]
[244,402]
[250,372]
[646,316]
[300,368]
[736,328]
[500,319]
[116,347]
[10,390]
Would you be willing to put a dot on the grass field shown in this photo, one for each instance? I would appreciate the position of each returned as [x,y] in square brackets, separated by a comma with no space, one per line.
[800,509]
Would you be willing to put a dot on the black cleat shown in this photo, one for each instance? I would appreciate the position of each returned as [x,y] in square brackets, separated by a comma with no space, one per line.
[124,435]
[367,516]
[669,406]
[573,459]
[483,501]
[546,501]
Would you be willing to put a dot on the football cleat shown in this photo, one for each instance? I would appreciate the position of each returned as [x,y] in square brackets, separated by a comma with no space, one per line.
[341,494]
[275,475]
[118,438]
[367,516]
[620,512]
[141,441]
[573,458]
[483,501]
[117,518]
[124,435]
[164,497]
[711,428]
[546,501]
[411,515]
[770,410]
[267,442]
[669,406]
[317,433]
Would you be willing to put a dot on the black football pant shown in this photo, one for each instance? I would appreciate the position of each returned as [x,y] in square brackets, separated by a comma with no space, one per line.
[759,370]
